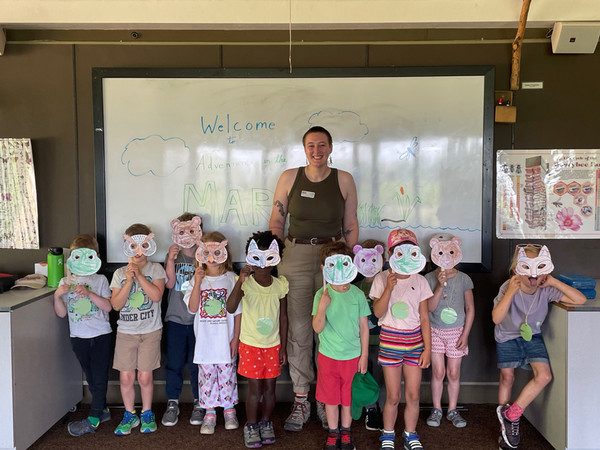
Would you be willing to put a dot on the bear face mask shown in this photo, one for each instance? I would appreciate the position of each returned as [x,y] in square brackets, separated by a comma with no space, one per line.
[139,244]
[445,251]
[83,261]
[339,269]
[263,258]
[186,234]
[212,252]
[369,261]
[407,259]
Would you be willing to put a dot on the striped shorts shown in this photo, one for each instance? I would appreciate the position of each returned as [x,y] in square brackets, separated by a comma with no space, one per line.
[398,347]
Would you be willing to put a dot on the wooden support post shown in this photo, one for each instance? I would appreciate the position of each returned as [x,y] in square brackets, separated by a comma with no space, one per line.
[516,47]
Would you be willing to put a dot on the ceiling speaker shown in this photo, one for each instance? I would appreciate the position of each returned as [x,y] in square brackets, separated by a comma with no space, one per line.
[575,37]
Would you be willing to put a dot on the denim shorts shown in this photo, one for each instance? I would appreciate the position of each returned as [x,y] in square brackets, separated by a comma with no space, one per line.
[519,353]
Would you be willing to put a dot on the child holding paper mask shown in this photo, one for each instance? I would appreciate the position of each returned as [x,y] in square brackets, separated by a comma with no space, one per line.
[340,312]
[519,311]
[451,312]
[217,331]
[263,337]
[400,301]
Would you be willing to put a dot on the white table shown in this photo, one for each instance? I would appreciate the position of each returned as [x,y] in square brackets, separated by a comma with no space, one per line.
[566,412]
[40,376]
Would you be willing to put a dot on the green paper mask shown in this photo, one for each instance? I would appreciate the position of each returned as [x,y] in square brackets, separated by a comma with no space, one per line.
[83,261]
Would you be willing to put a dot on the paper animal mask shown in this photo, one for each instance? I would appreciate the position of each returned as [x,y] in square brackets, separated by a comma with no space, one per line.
[212,252]
[83,261]
[407,259]
[186,234]
[369,261]
[445,250]
[139,244]
[339,269]
[534,267]
[263,258]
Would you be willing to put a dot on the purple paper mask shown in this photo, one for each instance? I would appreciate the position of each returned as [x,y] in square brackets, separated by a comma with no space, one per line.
[369,261]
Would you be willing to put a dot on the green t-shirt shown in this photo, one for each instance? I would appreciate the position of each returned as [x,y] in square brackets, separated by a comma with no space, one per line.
[340,339]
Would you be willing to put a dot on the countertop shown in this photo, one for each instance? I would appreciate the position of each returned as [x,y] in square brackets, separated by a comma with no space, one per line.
[16,298]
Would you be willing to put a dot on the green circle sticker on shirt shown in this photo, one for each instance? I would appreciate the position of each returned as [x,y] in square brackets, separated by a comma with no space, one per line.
[400,310]
[448,315]
[526,332]
[83,306]
[136,299]
[264,326]
[184,286]
[213,307]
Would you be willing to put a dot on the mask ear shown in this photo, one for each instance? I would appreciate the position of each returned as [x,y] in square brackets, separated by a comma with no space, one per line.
[196,220]
[253,245]
[433,242]
[174,223]
[379,249]
[357,248]
[274,246]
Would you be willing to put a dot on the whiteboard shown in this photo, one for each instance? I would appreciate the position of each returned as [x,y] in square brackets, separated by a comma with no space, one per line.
[214,143]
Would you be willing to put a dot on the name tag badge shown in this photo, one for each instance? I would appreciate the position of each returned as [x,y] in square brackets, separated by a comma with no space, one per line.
[307,194]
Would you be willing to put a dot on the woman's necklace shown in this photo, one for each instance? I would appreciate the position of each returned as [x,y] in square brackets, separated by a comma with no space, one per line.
[526,331]
[448,314]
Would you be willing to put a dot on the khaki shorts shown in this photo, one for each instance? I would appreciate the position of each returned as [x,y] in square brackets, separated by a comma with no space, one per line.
[137,351]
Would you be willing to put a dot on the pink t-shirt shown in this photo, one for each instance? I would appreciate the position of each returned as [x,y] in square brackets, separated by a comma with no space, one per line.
[411,291]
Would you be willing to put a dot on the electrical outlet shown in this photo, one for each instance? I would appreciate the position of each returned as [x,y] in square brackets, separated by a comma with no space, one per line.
[532,85]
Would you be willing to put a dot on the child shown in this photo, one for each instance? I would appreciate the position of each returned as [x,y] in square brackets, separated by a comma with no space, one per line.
[340,313]
[263,337]
[451,313]
[217,332]
[368,257]
[519,311]
[85,297]
[137,290]
[179,327]
[400,301]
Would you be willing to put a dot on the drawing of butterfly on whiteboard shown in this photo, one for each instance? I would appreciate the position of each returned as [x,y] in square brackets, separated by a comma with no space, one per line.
[410,151]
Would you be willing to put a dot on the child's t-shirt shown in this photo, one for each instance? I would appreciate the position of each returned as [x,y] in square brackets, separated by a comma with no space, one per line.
[139,315]
[374,328]
[86,320]
[411,291]
[340,338]
[213,326]
[260,313]
[177,311]
[455,298]
[535,306]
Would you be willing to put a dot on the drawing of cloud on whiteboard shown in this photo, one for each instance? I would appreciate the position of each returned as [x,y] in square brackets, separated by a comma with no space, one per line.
[155,155]
[344,126]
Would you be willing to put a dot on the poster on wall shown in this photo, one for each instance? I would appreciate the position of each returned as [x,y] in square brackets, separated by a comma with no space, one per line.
[18,198]
[548,194]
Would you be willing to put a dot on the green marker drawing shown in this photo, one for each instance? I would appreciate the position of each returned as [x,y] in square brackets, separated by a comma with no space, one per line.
[264,325]
[83,306]
[400,310]
[213,307]
[136,299]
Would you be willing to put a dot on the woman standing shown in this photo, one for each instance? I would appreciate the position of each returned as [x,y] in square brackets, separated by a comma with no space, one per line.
[321,202]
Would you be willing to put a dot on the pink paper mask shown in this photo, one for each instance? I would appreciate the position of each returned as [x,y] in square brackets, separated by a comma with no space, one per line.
[139,244]
[369,261]
[211,252]
[445,250]
[534,267]
[186,234]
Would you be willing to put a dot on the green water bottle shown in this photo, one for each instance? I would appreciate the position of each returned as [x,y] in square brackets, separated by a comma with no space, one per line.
[56,266]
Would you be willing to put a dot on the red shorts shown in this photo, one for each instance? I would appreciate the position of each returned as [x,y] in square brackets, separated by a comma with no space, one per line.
[259,363]
[334,380]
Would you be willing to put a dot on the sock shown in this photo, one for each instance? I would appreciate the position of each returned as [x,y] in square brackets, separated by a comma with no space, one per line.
[133,412]
[94,421]
[344,429]
[334,430]
[176,400]
[211,411]
[301,397]
[513,412]
[105,410]
[407,433]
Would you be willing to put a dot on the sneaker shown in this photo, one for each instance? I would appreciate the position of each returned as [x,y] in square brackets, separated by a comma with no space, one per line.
[252,436]
[387,441]
[231,421]
[510,430]
[130,421]
[81,427]
[105,417]
[208,424]
[373,421]
[299,416]
[411,441]
[457,420]
[171,415]
[435,417]
[333,441]
[322,415]
[346,441]
[267,435]
[148,422]
[197,414]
